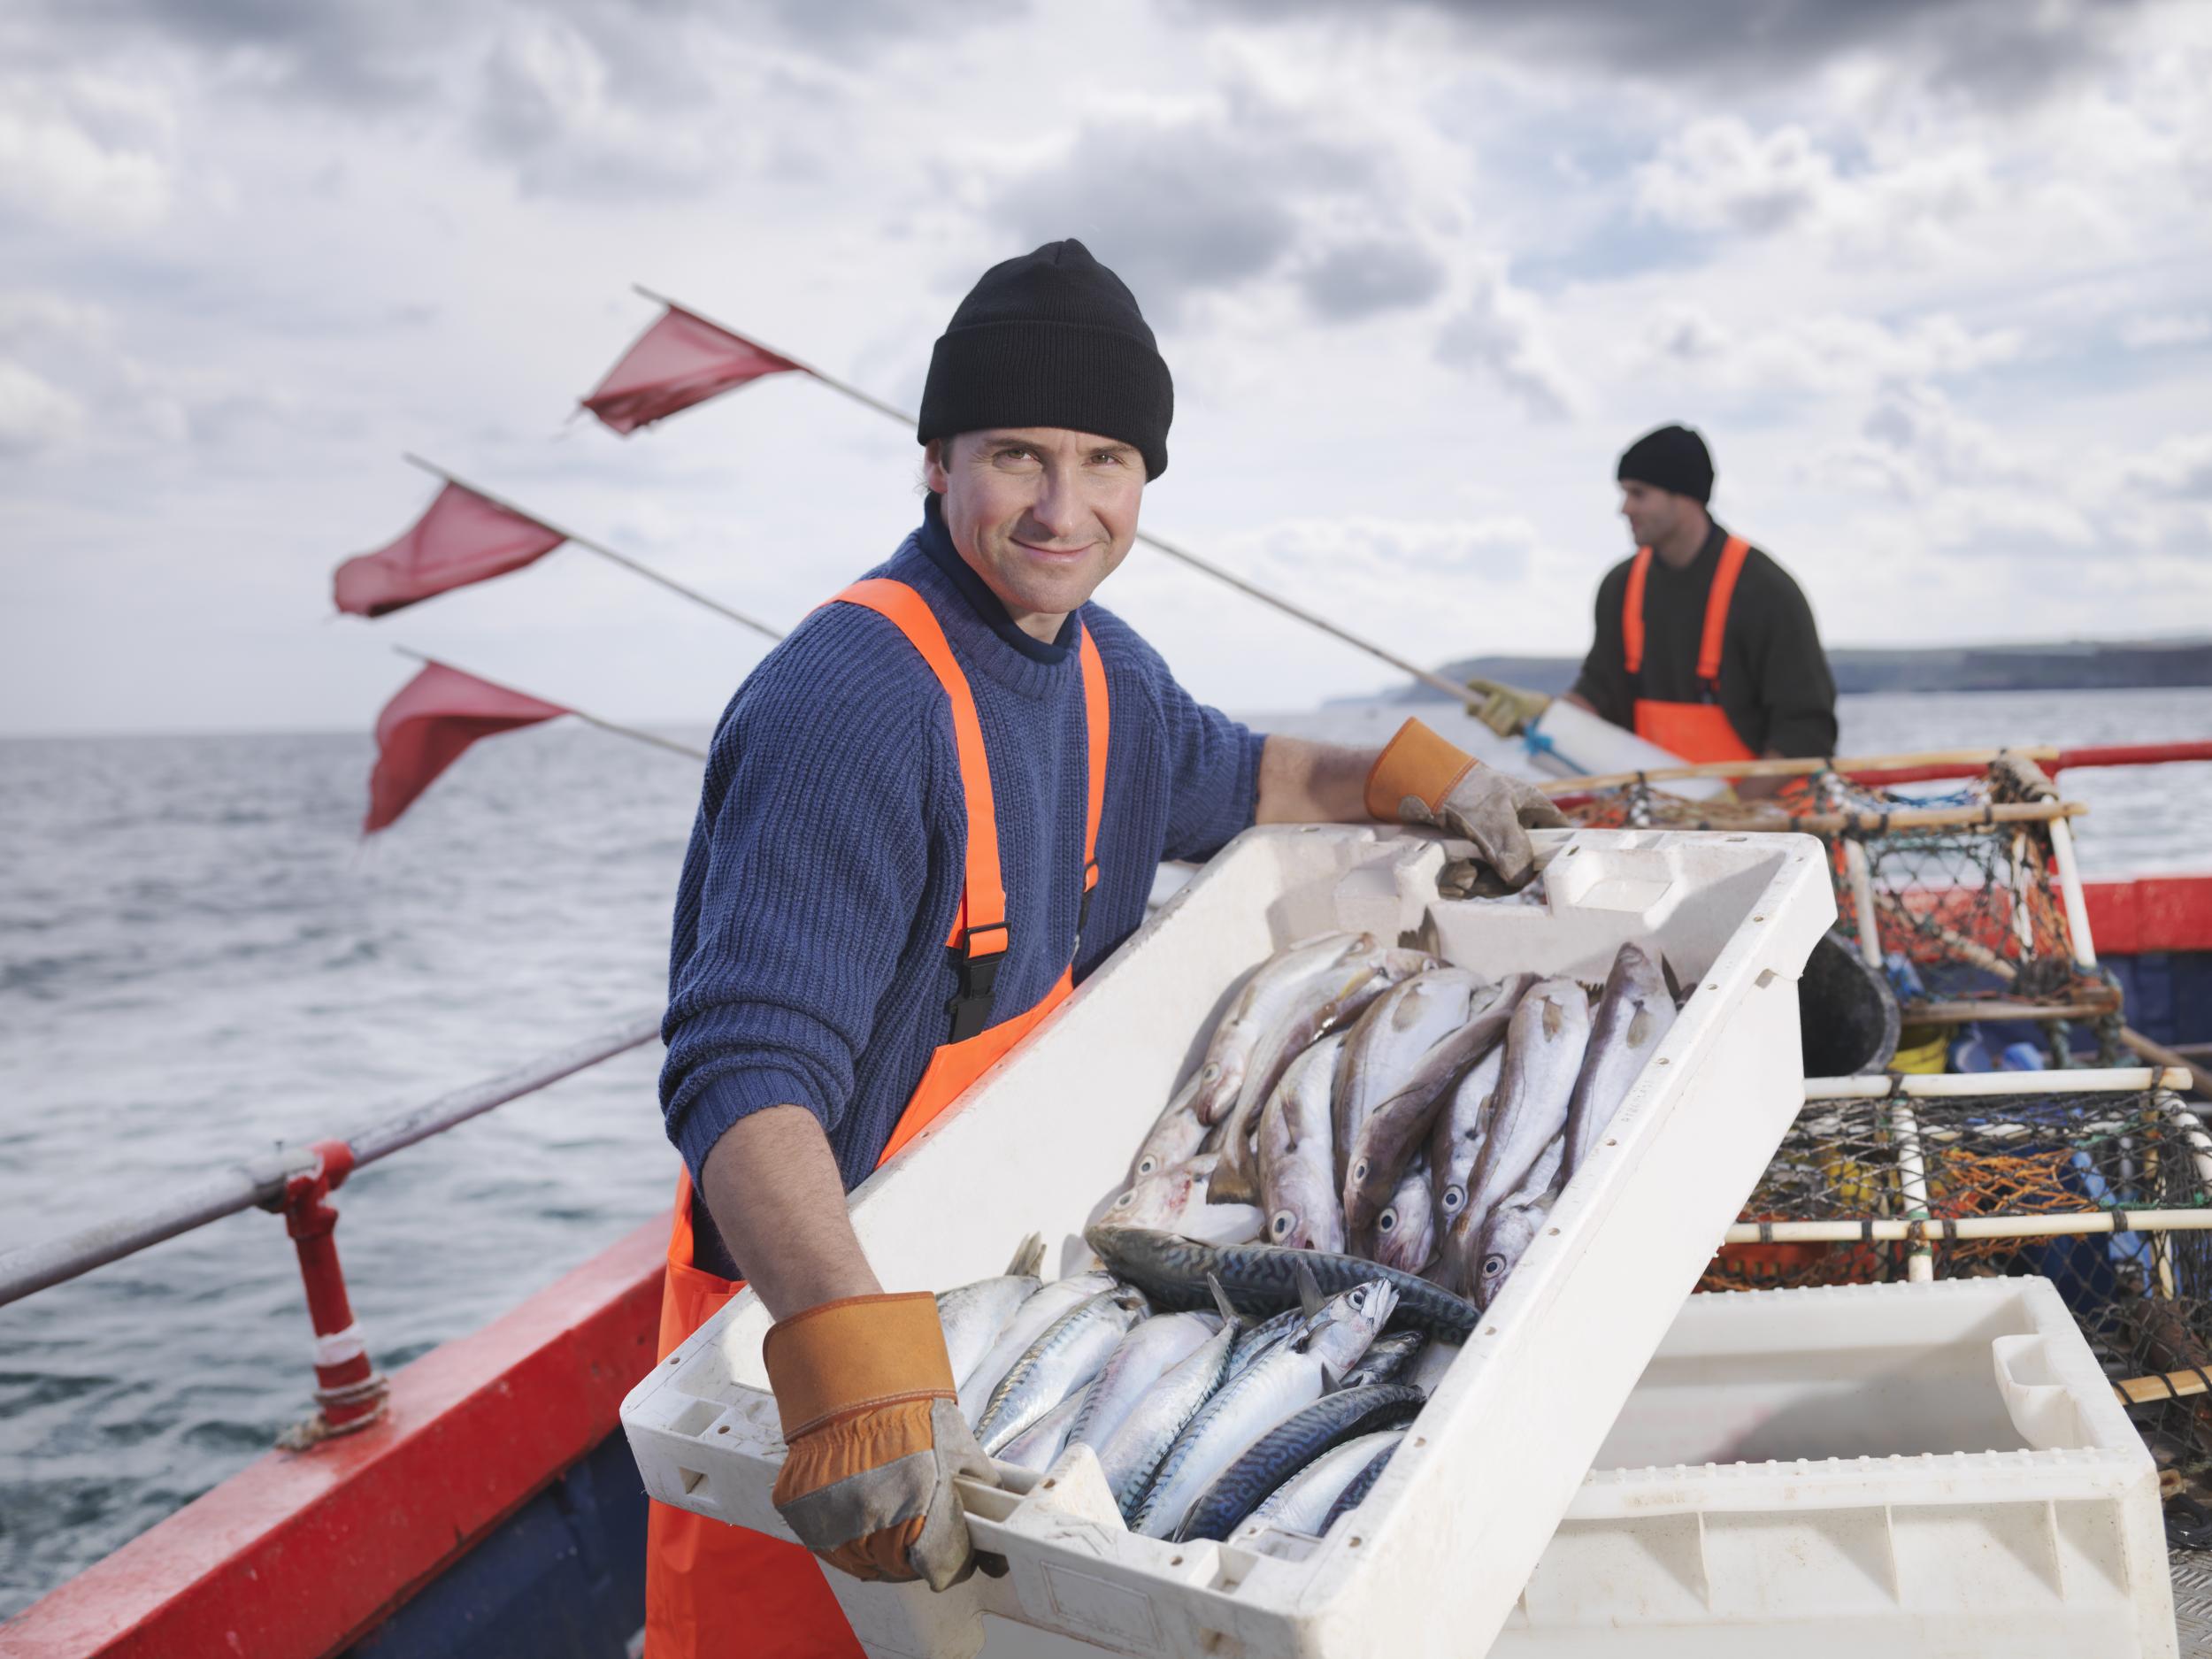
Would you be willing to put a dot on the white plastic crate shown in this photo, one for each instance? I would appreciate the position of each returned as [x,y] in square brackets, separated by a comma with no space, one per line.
[1911,1470]
[1475,1492]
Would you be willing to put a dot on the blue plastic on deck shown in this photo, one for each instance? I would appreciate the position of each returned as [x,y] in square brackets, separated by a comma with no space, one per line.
[562,1577]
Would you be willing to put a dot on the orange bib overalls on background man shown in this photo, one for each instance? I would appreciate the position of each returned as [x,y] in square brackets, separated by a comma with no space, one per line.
[1698,732]
[713,1589]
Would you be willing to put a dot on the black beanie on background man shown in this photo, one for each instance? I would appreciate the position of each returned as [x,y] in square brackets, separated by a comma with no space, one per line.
[1051,339]
[1672,458]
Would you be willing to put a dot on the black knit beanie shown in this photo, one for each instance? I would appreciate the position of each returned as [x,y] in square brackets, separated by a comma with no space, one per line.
[1051,339]
[1672,458]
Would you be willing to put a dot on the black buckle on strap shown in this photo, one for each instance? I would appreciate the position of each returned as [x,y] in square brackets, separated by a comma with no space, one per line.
[977,972]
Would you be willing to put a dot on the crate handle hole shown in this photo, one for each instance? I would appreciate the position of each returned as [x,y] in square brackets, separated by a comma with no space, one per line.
[692,1478]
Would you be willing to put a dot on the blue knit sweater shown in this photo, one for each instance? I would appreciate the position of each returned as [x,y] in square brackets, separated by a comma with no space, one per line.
[807,965]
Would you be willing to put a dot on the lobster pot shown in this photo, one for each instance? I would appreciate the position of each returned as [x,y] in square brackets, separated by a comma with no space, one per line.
[1042,1140]
[1907,1470]
[2099,1181]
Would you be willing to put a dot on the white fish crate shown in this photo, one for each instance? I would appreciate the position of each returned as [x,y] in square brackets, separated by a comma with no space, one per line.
[1044,1138]
[1910,1469]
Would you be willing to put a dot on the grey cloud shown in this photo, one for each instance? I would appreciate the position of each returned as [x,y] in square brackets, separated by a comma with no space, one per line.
[1359,280]
[1998,48]
[1183,208]
[1499,335]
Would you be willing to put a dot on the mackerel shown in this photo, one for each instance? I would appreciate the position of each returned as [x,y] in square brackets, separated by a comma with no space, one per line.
[1398,1029]
[1036,1446]
[1133,1452]
[1361,1483]
[1256,1340]
[972,1315]
[1387,1360]
[1261,1278]
[1297,1166]
[1300,1503]
[1267,996]
[1390,1131]
[1289,1447]
[1634,1014]
[1150,1351]
[1289,1378]
[1066,1357]
[1029,1322]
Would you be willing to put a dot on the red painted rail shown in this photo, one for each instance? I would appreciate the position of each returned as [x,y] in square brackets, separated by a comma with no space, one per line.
[302,1552]
[2107,755]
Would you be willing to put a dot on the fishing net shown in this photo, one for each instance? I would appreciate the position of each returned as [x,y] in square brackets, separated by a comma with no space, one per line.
[2142,1297]
[1968,912]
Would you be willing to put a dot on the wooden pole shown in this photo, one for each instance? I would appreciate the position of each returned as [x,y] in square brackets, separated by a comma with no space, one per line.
[605,552]
[654,738]
[1450,688]
[1783,768]
[1877,823]
[2173,1385]
[2136,1042]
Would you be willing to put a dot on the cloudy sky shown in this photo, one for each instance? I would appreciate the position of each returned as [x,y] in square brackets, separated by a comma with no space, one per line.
[1931,278]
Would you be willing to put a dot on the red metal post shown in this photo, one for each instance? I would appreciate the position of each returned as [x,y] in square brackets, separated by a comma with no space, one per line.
[349,1390]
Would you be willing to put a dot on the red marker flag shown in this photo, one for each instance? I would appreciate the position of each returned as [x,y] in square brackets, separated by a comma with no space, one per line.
[679,361]
[462,539]
[424,730]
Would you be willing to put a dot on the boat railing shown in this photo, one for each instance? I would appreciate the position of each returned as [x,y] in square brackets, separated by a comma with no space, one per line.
[296,1181]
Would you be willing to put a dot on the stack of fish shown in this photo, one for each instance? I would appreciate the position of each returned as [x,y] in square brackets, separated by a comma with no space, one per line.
[1367,1098]
[1404,1127]
[1197,1416]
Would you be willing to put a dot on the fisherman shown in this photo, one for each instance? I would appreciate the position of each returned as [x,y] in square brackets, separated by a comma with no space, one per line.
[926,813]
[1705,646]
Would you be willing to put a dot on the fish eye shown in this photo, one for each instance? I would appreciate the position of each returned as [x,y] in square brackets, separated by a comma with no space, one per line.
[1145,1166]
[1493,1265]
[1209,1072]
[1125,1199]
[1281,1222]
[1454,1197]
[1386,1221]
[1359,1171]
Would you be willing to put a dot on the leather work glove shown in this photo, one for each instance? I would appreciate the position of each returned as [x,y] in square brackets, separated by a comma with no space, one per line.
[1421,778]
[866,1393]
[1506,710]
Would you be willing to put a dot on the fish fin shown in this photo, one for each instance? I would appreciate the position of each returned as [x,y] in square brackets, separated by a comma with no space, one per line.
[1221,1300]
[1674,985]
[1028,1258]
[1309,1297]
[1640,1027]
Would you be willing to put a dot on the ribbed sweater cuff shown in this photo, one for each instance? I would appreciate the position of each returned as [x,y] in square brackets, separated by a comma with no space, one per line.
[731,1096]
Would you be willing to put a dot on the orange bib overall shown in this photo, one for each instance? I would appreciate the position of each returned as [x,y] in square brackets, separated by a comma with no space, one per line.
[712,1589]
[1698,732]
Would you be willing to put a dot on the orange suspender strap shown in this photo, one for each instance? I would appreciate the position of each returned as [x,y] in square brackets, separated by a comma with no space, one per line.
[978,937]
[1633,612]
[1718,599]
[1098,724]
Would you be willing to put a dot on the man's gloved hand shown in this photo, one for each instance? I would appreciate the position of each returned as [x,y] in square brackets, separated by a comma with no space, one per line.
[1506,710]
[867,1398]
[1420,779]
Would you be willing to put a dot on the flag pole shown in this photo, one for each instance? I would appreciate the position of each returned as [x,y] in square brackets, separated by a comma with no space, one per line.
[600,547]
[653,738]
[1452,689]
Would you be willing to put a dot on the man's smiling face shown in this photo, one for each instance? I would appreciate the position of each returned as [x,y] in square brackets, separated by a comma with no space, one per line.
[1042,514]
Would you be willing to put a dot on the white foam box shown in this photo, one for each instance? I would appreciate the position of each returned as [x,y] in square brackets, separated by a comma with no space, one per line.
[1908,1470]
[1450,1535]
